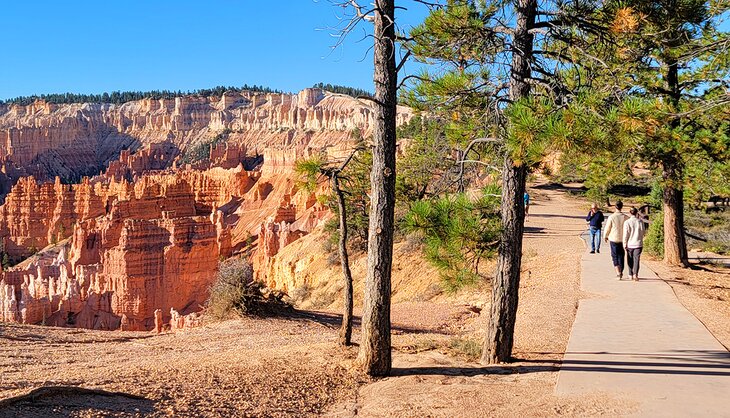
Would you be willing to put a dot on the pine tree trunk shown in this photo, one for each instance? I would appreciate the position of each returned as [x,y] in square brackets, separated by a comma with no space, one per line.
[506,285]
[346,328]
[374,355]
[675,246]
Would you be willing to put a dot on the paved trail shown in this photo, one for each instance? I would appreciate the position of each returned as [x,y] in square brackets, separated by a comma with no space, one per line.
[635,340]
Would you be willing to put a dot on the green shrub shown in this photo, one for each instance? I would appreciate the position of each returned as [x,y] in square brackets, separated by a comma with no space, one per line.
[654,241]
[458,233]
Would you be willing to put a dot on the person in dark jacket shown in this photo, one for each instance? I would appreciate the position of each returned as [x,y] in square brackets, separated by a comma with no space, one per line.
[595,223]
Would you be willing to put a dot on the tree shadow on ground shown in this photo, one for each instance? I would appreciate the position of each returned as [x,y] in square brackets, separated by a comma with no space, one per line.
[50,401]
[332,320]
[677,362]
[496,370]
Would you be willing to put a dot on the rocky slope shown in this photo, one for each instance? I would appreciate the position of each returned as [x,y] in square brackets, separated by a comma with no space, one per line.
[70,141]
[146,233]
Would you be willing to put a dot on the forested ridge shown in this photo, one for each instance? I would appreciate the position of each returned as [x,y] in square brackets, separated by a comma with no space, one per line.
[119,97]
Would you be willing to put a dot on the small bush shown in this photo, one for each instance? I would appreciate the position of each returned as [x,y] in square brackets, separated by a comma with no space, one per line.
[301,293]
[333,258]
[468,348]
[235,293]
[654,242]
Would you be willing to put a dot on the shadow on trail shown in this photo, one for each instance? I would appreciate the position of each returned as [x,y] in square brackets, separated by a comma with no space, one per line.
[550,215]
[676,362]
[560,187]
[538,232]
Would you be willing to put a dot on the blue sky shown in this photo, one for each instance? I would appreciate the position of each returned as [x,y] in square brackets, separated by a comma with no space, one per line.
[85,46]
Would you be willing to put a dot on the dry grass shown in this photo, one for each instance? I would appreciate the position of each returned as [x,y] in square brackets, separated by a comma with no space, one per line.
[466,348]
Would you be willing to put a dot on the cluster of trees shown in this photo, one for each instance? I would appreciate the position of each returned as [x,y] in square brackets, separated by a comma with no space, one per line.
[350,91]
[609,84]
[201,151]
[119,97]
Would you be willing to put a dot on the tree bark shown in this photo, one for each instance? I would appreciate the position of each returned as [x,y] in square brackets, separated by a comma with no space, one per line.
[346,328]
[675,246]
[506,285]
[374,355]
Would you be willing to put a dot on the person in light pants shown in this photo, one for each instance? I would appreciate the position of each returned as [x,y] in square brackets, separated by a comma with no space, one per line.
[613,234]
[633,239]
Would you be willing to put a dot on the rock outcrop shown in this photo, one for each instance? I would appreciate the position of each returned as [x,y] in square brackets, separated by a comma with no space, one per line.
[151,251]
[72,140]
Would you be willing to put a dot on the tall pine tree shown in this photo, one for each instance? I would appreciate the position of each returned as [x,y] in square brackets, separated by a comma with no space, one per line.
[680,66]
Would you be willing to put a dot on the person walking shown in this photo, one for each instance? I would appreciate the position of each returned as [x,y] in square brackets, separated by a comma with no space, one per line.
[526,200]
[595,223]
[633,239]
[613,234]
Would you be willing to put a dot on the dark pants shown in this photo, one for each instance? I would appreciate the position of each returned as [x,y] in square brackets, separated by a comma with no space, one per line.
[618,255]
[633,258]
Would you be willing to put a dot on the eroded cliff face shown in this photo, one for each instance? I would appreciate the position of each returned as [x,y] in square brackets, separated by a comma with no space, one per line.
[70,141]
[150,250]
[139,242]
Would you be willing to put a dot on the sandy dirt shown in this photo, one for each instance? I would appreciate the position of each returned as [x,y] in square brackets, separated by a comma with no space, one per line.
[235,368]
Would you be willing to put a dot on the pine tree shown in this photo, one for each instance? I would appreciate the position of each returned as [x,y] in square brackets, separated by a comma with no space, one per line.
[310,170]
[680,66]
[508,83]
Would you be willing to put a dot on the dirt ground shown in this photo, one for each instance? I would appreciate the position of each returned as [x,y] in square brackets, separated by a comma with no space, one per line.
[235,368]
[292,366]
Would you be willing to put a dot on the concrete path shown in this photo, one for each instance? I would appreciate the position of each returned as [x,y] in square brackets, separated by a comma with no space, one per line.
[636,341]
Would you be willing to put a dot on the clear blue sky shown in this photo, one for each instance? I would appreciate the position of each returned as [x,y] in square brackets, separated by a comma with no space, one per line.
[86,46]
[93,46]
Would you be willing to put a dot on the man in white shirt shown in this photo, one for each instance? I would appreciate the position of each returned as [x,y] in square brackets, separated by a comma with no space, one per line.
[613,233]
[633,239]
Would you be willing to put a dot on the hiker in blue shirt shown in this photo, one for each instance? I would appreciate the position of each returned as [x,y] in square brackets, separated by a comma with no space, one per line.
[526,199]
[595,223]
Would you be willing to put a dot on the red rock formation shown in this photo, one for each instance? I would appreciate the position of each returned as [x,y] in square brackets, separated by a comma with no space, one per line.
[72,140]
[35,215]
[149,252]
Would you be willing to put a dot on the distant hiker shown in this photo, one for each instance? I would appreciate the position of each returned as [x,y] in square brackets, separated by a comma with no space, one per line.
[613,234]
[526,199]
[633,239]
[595,222]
